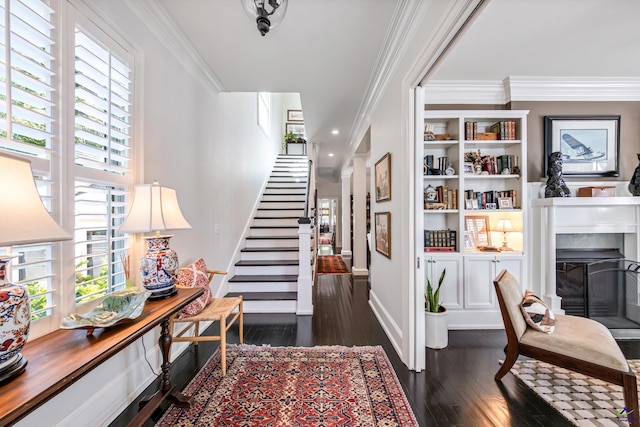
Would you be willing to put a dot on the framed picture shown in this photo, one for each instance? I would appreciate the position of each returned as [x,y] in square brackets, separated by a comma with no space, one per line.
[383,233]
[297,128]
[505,203]
[468,167]
[478,228]
[294,116]
[383,178]
[590,145]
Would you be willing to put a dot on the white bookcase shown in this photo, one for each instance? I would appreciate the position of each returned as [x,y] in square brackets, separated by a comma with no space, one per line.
[462,230]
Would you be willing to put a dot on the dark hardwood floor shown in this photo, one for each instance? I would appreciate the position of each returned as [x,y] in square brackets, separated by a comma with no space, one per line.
[456,389]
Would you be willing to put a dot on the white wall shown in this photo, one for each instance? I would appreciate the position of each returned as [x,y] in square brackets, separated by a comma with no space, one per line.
[209,148]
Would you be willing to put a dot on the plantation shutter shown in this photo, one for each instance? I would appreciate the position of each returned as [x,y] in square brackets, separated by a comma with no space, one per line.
[102,157]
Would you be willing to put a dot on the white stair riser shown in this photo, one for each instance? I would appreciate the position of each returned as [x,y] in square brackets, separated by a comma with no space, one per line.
[288,190]
[275,221]
[300,186]
[289,180]
[270,306]
[266,232]
[278,213]
[283,197]
[268,256]
[281,205]
[272,243]
[249,287]
[294,173]
[250,270]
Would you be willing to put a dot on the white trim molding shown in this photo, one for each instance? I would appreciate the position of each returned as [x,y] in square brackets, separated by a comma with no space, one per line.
[522,88]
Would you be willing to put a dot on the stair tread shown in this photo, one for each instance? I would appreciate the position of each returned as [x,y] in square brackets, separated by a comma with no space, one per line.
[265,296]
[281,209]
[273,237]
[274,226]
[264,278]
[276,217]
[265,263]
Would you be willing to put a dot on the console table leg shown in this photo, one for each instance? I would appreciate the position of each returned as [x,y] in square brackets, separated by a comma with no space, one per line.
[165,345]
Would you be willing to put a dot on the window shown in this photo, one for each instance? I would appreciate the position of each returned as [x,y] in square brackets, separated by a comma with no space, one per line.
[264,107]
[94,125]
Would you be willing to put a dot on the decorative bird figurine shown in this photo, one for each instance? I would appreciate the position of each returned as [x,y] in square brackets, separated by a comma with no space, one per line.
[634,184]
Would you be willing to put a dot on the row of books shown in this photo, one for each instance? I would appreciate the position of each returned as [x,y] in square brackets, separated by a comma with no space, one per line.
[480,199]
[506,129]
[440,240]
[498,164]
[448,197]
[435,166]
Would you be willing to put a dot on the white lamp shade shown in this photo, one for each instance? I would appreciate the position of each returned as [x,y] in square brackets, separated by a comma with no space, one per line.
[505,226]
[154,208]
[23,217]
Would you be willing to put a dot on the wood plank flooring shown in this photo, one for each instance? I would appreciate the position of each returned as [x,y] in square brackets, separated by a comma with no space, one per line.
[456,389]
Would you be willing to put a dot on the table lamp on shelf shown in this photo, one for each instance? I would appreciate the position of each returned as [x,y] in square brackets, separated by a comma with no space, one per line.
[155,208]
[23,220]
[505,226]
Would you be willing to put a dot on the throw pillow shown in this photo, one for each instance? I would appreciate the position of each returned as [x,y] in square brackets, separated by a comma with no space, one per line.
[537,314]
[195,276]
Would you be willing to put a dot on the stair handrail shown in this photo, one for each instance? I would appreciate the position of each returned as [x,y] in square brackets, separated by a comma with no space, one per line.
[306,190]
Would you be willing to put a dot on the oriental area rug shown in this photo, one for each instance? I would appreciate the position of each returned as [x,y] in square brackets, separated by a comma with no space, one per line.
[331,264]
[582,400]
[295,386]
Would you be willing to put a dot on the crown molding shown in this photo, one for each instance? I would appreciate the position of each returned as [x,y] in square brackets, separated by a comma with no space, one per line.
[521,88]
[572,88]
[160,22]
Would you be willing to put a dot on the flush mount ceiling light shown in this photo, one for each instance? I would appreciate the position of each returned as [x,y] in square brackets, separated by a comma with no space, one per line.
[335,131]
[267,13]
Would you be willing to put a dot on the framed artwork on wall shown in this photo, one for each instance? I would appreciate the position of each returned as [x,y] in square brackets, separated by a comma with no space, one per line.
[383,178]
[590,145]
[294,116]
[383,233]
[296,128]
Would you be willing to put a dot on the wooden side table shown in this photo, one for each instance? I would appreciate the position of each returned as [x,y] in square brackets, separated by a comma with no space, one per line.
[58,359]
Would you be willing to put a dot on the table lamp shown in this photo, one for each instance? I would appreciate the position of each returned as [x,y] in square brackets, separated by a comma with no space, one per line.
[23,220]
[155,208]
[505,226]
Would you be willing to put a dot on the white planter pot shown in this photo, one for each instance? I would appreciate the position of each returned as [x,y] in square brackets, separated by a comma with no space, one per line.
[436,330]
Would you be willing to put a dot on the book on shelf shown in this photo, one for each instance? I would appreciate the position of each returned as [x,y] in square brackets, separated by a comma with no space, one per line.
[440,239]
[428,163]
[446,249]
[490,196]
[505,129]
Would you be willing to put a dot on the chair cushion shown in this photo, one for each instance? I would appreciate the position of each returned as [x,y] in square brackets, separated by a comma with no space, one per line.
[537,314]
[580,338]
[195,276]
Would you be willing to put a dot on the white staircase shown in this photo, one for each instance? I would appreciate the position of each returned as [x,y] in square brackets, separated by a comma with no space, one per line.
[267,273]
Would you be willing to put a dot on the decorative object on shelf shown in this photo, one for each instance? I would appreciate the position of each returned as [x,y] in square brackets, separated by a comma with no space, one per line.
[468,168]
[436,330]
[267,13]
[478,228]
[155,208]
[449,171]
[383,178]
[504,225]
[383,233]
[556,187]
[294,116]
[116,308]
[505,203]
[428,133]
[634,184]
[430,194]
[23,220]
[589,145]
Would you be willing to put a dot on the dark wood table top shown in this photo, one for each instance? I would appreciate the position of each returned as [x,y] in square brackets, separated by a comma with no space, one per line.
[58,359]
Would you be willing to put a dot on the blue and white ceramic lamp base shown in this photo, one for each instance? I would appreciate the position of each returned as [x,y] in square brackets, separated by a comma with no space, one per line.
[159,268]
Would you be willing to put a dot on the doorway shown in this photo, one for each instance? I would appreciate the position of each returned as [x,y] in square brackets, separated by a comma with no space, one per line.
[327,219]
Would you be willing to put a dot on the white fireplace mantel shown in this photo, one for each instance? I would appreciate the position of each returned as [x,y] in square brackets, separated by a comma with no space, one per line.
[576,215]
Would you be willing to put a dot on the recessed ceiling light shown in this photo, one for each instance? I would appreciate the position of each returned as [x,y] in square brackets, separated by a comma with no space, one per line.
[335,131]
[330,154]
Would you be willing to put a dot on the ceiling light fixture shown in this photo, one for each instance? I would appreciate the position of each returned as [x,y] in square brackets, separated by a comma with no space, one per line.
[330,154]
[335,131]
[267,13]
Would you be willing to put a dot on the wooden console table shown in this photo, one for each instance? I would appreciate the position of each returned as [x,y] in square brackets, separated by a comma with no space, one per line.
[58,359]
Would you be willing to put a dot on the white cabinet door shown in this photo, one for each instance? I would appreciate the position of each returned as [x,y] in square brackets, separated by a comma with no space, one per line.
[479,274]
[451,291]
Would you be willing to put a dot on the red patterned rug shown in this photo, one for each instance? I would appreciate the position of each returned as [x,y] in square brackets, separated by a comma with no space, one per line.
[295,386]
[331,264]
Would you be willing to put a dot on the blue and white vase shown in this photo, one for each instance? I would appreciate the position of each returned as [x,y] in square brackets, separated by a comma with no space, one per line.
[15,319]
[159,267]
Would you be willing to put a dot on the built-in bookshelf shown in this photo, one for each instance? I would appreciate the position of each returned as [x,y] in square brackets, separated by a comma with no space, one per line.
[473,219]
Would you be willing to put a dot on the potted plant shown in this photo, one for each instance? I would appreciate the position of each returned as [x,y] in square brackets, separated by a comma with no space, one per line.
[435,324]
[288,138]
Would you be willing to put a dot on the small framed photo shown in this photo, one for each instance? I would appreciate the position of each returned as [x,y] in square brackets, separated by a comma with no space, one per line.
[383,233]
[468,168]
[294,116]
[505,203]
[477,227]
[383,178]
